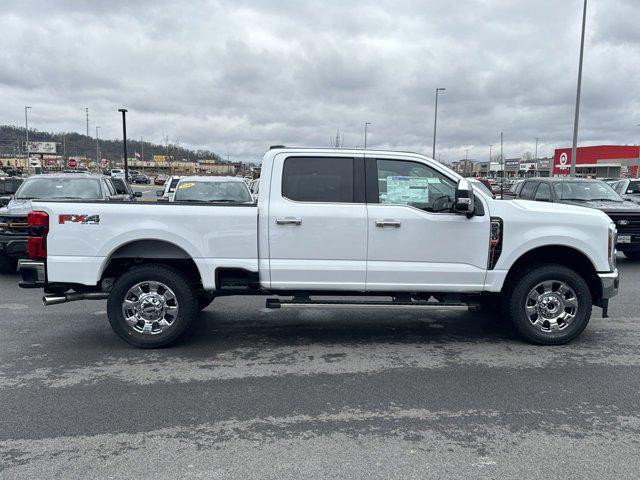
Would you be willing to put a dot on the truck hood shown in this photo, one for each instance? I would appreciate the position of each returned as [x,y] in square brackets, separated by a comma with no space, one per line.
[16,207]
[548,207]
[607,205]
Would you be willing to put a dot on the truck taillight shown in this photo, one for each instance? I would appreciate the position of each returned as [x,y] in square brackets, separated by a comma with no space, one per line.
[495,242]
[38,223]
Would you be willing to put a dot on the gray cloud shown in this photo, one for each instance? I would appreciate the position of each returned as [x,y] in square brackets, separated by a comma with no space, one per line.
[237,76]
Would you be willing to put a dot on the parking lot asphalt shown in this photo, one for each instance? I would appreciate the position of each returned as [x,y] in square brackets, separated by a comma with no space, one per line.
[253,393]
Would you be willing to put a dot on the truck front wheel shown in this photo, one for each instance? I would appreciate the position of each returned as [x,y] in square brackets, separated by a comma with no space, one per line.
[151,306]
[549,305]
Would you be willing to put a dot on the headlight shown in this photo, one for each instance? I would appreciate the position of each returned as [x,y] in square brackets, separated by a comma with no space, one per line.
[612,245]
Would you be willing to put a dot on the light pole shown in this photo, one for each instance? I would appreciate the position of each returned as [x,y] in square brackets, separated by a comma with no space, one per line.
[502,164]
[489,167]
[124,142]
[574,144]
[26,124]
[435,122]
[97,147]
[366,124]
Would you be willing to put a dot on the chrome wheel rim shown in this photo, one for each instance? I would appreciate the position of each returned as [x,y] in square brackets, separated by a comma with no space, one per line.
[551,306]
[150,308]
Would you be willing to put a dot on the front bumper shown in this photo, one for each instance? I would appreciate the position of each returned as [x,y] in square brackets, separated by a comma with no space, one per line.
[610,282]
[33,273]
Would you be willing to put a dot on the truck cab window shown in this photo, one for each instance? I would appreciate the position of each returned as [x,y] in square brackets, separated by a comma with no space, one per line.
[306,179]
[526,192]
[414,184]
[543,194]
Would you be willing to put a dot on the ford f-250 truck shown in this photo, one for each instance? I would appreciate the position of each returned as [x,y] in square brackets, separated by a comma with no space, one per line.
[376,229]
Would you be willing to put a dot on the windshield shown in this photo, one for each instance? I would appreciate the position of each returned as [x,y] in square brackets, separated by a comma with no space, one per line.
[199,191]
[172,186]
[585,191]
[51,188]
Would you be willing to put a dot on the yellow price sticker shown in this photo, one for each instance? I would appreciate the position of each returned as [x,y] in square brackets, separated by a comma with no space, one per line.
[187,185]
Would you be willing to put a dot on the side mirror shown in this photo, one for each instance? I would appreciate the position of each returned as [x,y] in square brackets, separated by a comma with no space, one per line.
[159,193]
[464,198]
[4,200]
[138,194]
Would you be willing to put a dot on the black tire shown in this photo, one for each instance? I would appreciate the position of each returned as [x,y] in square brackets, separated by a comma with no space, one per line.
[8,264]
[632,255]
[172,278]
[516,301]
[204,300]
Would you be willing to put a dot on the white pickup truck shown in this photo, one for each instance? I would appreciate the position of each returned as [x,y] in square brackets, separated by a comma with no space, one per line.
[376,229]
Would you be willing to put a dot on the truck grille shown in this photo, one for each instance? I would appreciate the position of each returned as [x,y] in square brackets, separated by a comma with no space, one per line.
[626,223]
[14,225]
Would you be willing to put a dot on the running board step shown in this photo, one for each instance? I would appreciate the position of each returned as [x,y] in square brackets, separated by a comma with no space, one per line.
[277,303]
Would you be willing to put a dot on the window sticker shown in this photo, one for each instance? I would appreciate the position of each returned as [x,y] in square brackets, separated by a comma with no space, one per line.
[187,185]
[407,190]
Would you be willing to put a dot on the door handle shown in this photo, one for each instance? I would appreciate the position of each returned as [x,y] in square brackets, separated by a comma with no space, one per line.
[388,223]
[289,221]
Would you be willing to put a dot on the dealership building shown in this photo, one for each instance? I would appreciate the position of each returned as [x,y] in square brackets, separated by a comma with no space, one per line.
[601,161]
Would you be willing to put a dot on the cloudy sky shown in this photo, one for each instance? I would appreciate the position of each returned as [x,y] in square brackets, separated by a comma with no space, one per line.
[237,76]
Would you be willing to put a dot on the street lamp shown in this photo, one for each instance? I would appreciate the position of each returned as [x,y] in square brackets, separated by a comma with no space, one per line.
[574,144]
[366,124]
[435,122]
[26,124]
[124,141]
[97,146]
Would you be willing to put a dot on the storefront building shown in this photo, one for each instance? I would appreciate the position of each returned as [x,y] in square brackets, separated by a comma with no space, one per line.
[601,161]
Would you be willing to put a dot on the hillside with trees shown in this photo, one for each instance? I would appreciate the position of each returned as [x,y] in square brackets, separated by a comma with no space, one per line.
[73,144]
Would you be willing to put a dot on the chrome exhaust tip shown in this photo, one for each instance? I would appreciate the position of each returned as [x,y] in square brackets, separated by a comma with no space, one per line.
[73,297]
[53,300]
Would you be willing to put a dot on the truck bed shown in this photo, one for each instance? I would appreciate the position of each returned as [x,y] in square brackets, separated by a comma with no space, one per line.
[80,243]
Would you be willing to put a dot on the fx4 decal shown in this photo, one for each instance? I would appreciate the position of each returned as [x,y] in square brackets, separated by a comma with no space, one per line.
[76,218]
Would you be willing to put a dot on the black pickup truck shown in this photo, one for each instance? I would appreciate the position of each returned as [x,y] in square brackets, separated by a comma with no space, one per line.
[592,194]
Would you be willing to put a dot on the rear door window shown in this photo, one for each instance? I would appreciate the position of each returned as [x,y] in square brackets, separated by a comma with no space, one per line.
[322,179]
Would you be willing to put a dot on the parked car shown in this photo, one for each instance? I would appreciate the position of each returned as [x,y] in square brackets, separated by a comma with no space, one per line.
[10,171]
[117,173]
[123,188]
[511,193]
[8,187]
[169,187]
[627,188]
[160,180]
[324,227]
[212,190]
[141,178]
[594,194]
[59,187]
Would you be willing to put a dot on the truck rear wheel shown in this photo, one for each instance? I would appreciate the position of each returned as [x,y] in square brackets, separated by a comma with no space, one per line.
[8,264]
[549,305]
[151,306]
